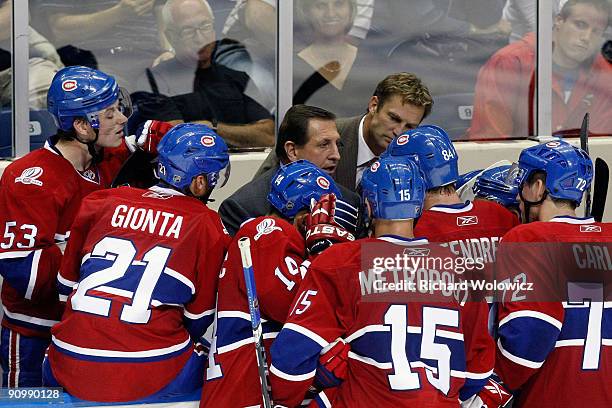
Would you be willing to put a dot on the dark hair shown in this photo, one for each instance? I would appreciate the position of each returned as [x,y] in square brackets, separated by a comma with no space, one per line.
[541,175]
[294,127]
[446,189]
[601,5]
[411,89]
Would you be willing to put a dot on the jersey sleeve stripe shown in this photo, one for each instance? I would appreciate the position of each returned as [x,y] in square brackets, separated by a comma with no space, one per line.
[370,361]
[180,278]
[193,316]
[518,360]
[65,281]
[29,319]
[367,329]
[61,237]
[289,377]
[323,399]
[119,354]
[33,274]
[478,376]
[532,314]
[14,254]
[308,333]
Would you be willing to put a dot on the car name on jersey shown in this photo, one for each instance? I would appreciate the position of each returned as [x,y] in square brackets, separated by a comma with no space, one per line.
[162,223]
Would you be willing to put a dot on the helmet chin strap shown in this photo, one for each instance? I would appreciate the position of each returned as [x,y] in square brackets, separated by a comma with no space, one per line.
[528,204]
[96,157]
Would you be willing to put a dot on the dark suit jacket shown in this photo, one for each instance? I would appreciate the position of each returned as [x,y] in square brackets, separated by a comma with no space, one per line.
[347,166]
[251,200]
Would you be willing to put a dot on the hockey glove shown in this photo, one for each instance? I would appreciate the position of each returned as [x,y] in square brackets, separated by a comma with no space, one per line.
[492,395]
[332,365]
[330,221]
[148,135]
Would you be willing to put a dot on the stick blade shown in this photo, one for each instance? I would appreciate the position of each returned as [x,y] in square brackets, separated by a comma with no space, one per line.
[600,189]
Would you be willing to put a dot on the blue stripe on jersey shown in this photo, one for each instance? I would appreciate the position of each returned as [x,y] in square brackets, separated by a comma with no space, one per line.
[515,335]
[377,346]
[63,289]
[16,270]
[28,325]
[471,387]
[295,354]
[197,327]
[234,329]
[576,321]
[168,290]
[102,359]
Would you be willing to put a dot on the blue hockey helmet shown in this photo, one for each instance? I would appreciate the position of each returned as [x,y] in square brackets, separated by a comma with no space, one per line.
[493,185]
[295,184]
[189,150]
[78,92]
[569,170]
[465,177]
[431,148]
[393,188]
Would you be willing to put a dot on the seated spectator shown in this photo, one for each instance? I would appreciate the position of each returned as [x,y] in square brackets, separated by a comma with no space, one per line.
[122,34]
[215,95]
[43,64]
[582,78]
[308,133]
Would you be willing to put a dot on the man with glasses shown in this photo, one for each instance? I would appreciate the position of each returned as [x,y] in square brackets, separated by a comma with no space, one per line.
[582,78]
[215,95]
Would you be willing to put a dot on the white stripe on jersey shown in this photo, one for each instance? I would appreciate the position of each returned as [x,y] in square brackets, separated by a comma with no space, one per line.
[518,360]
[308,333]
[289,377]
[120,354]
[197,316]
[181,278]
[29,319]
[532,314]
[238,344]
[33,274]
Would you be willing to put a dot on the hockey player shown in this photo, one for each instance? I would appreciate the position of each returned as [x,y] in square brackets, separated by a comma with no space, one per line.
[139,279]
[280,245]
[39,197]
[402,353]
[556,353]
[493,184]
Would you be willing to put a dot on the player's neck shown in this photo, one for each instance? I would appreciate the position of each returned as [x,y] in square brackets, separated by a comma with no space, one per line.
[75,152]
[551,210]
[432,199]
[404,229]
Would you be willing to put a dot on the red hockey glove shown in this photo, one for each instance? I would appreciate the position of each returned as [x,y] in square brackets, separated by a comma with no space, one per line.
[149,134]
[330,221]
[332,365]
[492,395]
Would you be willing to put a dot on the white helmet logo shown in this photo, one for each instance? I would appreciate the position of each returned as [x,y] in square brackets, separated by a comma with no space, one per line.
[402,140]
[207,141]
[375,166]
[30,176]
[69,85]
[553,144]
[323,182]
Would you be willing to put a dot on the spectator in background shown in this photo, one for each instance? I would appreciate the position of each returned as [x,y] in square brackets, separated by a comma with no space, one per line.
[43,64]
[306,132]
[122,34]
[521,15]
[400,102]
[582,78]
[215,94]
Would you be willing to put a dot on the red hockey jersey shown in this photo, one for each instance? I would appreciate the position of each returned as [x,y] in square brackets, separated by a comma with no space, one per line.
[402,353]
[39,197]
[141,268]
[277,251]
[557,353]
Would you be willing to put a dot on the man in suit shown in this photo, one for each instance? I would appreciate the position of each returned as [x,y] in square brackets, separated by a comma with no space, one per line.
[307,132]
[399,103]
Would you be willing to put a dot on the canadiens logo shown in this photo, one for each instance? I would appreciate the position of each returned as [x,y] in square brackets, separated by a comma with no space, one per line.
[69,85]
[402,140]
[323,182]
[375,166]
[267,226]
[30,176]
[207,141]
[553,144]
[158,195]
[467,220]
[590,228]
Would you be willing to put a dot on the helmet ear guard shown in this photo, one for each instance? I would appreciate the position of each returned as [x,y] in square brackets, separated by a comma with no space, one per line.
[432,149]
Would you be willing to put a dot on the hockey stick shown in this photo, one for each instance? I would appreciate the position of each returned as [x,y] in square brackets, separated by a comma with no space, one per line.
[600,189]
[584,145]
[244,244]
